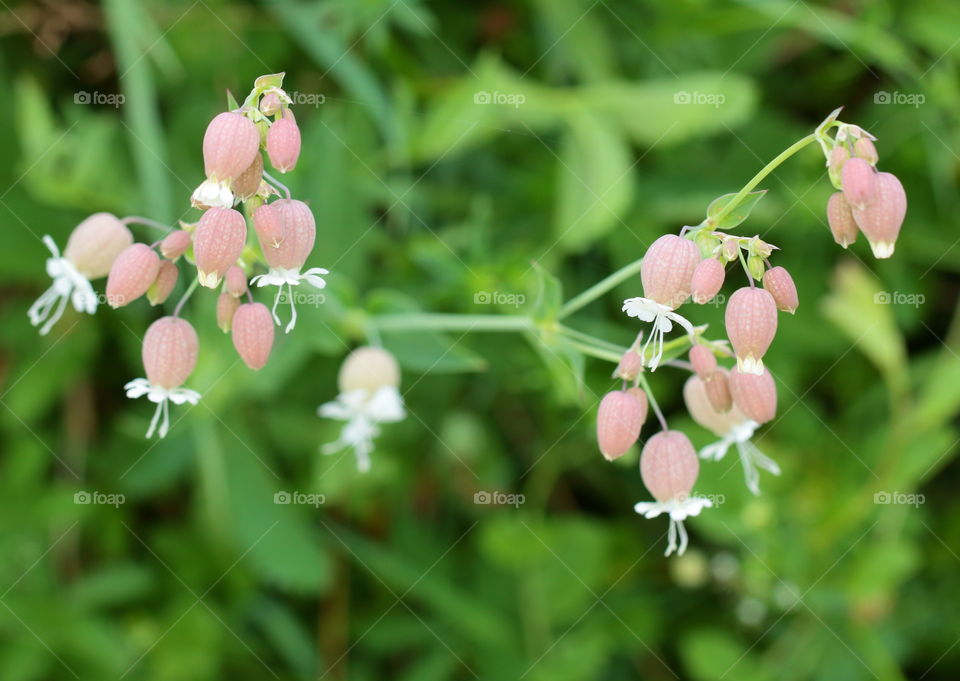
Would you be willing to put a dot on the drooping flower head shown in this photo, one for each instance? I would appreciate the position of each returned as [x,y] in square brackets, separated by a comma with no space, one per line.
[881,219]
[91,249]
[283,143]
[169,357]
[175,244]
[132,274]
[733,428]
[669,468]
[751,322]
[840,218]
[754,394]
[162,286]
[859,181]
[230,144]
[707,280]
[779,283]
[291,221]
[619,419]
[369,382]
[217,244]
[666,273]
[252,332]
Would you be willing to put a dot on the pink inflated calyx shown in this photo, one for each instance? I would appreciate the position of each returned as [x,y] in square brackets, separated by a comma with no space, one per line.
[169,352]
[702,360]
[229,145]
[226,307]
[865,149]
[780,284]
[754,394]
[235,281]
[717,387]
[268,224]
[95,244]
[132,273]
[667,270]
[248,182]
[840,218]
[669,465]
[859,183]
[751,323]
[175,244]
[283,143]
[252,332]
[162,286]
[217,243]
[880,221]
[630,366]
[299,234]
[619,419]
[707,280]
[703,411]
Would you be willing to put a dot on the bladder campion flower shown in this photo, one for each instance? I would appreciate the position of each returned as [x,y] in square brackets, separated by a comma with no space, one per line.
[619,419]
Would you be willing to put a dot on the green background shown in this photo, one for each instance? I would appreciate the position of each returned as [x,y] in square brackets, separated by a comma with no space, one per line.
[425,200]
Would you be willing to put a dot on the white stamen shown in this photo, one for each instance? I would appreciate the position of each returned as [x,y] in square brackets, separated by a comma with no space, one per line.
[662,317]
[363,413]
[139,387]
[280,277]
[68,286]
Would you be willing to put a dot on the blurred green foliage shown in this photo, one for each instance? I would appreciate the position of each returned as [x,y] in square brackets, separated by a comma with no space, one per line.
[426,197]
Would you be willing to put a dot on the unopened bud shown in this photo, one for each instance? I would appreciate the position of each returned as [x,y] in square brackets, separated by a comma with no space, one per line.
[669,465]
[175,244]
[718,391]
[840,217]
[226,307]
[756,267]
[217,243]
[751,322]
[754,394]
[731,249]
[707,280]
[703,360]
[368,368]
[619,419]
[859,183]
[95,243]
[169,352]
[283,144]
[134,270]
[667,269]
[780,284]
[252,332]
[248,182]
[881,220]
[630,366]
[229,145]
[236,281]
[162,286]
[864,148]
[838,156]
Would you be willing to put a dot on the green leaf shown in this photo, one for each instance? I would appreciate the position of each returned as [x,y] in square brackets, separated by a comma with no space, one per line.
[738,215]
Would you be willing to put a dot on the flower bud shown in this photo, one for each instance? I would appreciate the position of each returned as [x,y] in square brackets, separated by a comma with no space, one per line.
[368,368]
[248,182]
[283,144]
[840,217]
[859,183]
[703,361]
[754,394]
[162,286]
[703,411]
[619,419]
[217,243]
[751,322]
[667,269]
[236,281]
[630,366]
[95,243]
[718,391]
[226,307]
[838,156]
[864,148]
[169,352]
[707,280]
[131,275]
[268,226]
[270,104]
[880,221]
[669,465]
[175,244]
[780,284]
[756,267]
[253,334]
[299,233]
[730,250]
[229,145]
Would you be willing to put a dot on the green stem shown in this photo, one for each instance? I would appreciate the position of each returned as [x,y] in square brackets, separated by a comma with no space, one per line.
[137,220]
[450,322]
[642,380]
[186,297]
[759,177]
[599,289]
[587,338]
[594,351]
